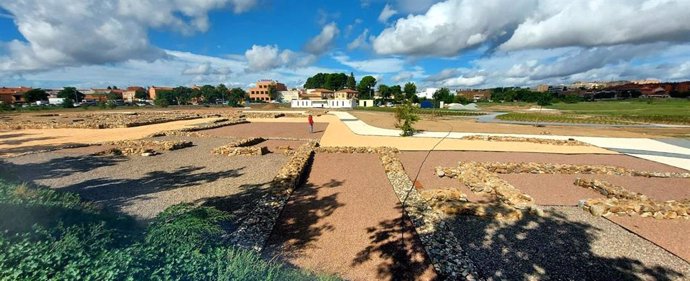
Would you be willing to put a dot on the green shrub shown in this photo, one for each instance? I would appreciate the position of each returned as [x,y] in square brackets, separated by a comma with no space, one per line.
[67,103]
[405,117]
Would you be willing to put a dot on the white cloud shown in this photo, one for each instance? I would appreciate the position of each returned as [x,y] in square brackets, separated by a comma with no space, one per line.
[463,81]
[452,26]
[381,65]
[322,42]
[386,13]
[360,41]
[98,31]
[261,58]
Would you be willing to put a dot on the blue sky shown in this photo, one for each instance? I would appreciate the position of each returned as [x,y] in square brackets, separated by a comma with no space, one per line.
[451,43]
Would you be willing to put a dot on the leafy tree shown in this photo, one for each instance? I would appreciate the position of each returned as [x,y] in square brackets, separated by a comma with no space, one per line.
[70,93]
[544,100]
[410,90]
[112,96]
[208,93]
[141,94]
[164,98]
[351,82]
[461,99]
[366,86]
[331,81]
[237,95]
[443,95]
[397,93]
[67,103]
[274,94]
[35,95]
[222,91]
[384,91]
[182,95]
[406,116]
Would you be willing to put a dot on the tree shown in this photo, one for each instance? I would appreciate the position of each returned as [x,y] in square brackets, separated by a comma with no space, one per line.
[182,95]
[410,90]
[70,93]
[351,82]
[397,93]
[331,81]
[112,96]
[67,103]
[222,91]
[461,99]
[443,95]
[366,86]
[35,95]
[274,94]
[208,93]
[140,94]
[237,95]
[385,91]
[544,100]
[406,116]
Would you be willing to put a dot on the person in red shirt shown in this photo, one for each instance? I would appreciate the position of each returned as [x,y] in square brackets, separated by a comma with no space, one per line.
[311,123]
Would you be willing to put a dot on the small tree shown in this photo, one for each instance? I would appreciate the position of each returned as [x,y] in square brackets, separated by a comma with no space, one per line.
[141,95]
[406,116]
[274,94]
[70,93]
[410,90]
[35,95]
[67,103]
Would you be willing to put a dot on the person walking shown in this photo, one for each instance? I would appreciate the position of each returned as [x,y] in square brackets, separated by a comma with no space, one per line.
[311,123]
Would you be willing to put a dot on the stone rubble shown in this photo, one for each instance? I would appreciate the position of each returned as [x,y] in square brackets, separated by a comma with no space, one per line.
[254,230]
[242,147]
[100,120]
[193,131]
[532,140]
[549,168]
[620,201]
[139,147]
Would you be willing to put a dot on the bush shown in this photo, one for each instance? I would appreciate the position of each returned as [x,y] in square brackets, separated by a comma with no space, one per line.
[67,103]
[161,102]
[406,116]
[79,241]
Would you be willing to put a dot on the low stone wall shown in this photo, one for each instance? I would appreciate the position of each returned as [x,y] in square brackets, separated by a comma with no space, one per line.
[98,120]
[570,142]
[193,131]
[142,147]
[261,115]
[352,149]
[549,168]
[241,151]
[254,230]
[620,201]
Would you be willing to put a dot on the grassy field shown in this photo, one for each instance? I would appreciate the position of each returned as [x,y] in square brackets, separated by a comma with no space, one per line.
[51,235]
[669,107]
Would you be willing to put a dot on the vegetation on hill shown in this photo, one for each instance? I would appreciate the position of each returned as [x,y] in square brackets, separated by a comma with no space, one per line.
[51,235]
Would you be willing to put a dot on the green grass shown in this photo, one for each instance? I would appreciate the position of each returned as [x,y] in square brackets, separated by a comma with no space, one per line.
[51,235]
[658,107]
[437,112]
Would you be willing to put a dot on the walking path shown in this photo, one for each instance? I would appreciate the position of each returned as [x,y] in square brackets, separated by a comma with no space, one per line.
[658,151]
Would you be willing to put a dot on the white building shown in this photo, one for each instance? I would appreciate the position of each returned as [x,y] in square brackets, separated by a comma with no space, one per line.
[287,96]
[428,93]
[323,103]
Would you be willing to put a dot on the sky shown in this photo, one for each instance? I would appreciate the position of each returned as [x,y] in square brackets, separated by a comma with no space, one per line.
[452,43]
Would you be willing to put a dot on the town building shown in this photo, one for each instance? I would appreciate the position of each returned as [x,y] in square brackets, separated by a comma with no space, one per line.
[333,103]
[262,90]
[542,88]
[129,95]
[289,95]
[13,95]
[345,94]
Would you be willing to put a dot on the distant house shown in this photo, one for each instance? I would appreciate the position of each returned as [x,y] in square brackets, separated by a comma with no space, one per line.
[153,90]
[318,94]
[289,95]
[346,94]
[262,90]
[654,91]
[129,95]
[13,95]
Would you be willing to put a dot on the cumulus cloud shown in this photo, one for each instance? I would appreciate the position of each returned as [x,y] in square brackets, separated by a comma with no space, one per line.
[206,68]
[379,65]
[360,41]
[386,13]
[98,31]
[453,26]
[322,42]
[261,58]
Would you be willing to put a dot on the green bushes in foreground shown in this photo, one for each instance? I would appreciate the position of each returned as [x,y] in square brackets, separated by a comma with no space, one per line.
[183,243]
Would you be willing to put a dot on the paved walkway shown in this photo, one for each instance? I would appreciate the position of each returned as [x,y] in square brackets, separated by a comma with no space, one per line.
[658,151]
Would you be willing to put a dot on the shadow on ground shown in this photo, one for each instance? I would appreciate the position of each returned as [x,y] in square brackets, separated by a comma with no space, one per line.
[552,247]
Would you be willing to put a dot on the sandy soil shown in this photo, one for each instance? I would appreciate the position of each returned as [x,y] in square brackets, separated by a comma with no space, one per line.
[464,124]
[672,235]
[346,220]
[298,130]
[17,141]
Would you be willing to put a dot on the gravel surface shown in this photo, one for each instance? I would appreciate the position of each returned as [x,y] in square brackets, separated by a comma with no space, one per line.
[144,186]
[269,129]
[566,244]
[346,220]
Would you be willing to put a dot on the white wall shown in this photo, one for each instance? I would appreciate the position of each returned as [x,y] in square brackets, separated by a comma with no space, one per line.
[322,104]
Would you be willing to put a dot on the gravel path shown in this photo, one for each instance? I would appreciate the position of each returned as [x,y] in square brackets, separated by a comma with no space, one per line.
[346,220]
[144,186]
[672,235]
[271,129]
[567,244]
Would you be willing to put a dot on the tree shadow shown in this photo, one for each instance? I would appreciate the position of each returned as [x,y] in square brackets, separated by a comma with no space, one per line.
[557,246]
[20,141]
[395,241]
[35,148]
[117,192]
[58,167]
[299,224]
[239,204]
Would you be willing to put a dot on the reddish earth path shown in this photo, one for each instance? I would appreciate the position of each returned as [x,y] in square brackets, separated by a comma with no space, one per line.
[346,220]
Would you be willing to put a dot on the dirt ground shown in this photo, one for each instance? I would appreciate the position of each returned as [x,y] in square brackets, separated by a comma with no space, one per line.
[271,129]
[346,220]
[466,124]
[19,141]
[144,186]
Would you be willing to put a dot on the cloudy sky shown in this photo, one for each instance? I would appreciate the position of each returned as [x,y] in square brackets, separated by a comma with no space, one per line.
[452,43]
